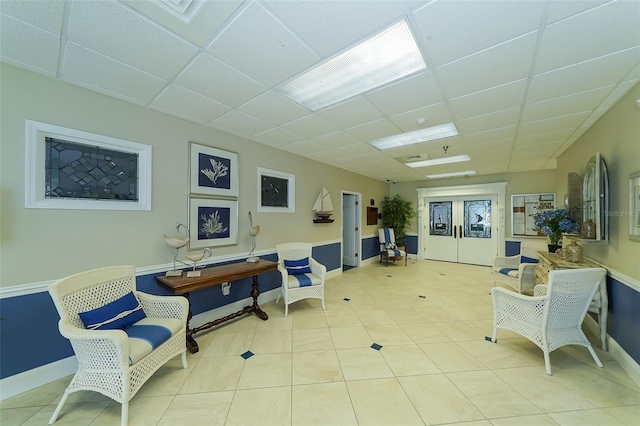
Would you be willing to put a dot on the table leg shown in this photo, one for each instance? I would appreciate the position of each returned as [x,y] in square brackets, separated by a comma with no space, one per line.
[192,345]
[255,292]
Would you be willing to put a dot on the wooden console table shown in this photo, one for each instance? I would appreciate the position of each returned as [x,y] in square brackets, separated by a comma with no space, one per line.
[216,275]
[599,305]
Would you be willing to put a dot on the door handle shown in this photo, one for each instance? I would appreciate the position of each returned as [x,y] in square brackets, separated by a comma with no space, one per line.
[455,231]
[460,231]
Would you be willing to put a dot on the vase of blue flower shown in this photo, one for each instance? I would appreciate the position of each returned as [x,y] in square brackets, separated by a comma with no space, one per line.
[554,223]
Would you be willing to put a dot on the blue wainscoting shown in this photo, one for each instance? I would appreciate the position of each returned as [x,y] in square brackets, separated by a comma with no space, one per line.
[370,247]
[511,248]
[29,335]
[411,244]
[624,322]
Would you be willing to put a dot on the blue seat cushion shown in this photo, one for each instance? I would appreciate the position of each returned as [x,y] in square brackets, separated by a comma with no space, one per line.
[117,315]
[525,259]
[303,280]
[148,334]
[297,267]
[510,272]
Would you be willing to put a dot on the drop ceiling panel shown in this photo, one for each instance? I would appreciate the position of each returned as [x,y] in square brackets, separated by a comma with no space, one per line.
[358,149]
[97,72]
[508,132]
[274,108]
[310,126]
[351,113]
[563,9]
[603,30]
[113,30]
[477,149]
[490,121]
[600,72]
[498,65]
[578,102]
[553,124]
[216,80]
[184,103]
[373,130]
[337,140]
[327,156]
[351,21]
[262,48]
[408,94]
[536,138]
[277,137]
[27,46]
[434,114]
[46,15]
[239,123]
[451,30]
[494,99]
[304,148]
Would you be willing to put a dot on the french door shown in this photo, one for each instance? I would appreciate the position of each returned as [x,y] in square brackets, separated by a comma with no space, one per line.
[461,229]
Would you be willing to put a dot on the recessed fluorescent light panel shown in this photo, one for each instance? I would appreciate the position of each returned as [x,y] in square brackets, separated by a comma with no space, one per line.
[417,136]
[384,57]
[453,174]
[438,161]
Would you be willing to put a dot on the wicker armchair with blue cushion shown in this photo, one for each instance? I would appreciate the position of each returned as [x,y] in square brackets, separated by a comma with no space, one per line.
[120,336]
[388,248]
[516,271]
[302,276]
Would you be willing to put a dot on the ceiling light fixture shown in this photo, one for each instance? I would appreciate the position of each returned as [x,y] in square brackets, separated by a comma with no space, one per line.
[452,174]
[427,134]
[384,57]
[438,161]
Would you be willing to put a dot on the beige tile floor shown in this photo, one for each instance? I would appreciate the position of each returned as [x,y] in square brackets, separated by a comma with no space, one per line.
[318,368]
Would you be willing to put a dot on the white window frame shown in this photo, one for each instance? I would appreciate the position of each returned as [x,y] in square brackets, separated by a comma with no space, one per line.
[36,132]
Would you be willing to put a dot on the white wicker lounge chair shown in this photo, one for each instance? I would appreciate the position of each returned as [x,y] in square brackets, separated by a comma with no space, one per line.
[516,271]
[111,361]
[302,276]
[551,320]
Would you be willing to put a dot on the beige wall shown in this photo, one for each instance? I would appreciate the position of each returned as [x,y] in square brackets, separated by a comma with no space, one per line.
[518,183]
[39,245]
[617,137]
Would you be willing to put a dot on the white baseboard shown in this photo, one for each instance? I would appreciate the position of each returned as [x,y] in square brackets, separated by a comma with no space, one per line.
[31,379]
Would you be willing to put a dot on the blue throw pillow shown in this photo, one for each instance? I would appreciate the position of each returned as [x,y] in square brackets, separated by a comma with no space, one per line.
[119,314]
[525,259]
[297,267]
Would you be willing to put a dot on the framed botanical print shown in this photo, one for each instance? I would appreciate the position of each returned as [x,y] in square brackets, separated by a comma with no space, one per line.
[213,171]
[212,222]
[276,191]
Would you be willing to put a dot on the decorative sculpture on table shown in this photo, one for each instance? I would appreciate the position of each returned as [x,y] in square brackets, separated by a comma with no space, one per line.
[177,243]
[195,258]
[323,207]
[253,231]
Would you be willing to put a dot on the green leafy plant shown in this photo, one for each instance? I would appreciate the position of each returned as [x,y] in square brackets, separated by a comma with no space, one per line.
[397,214]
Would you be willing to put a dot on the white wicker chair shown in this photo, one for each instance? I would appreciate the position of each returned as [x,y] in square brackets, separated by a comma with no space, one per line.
[103,355]
[292,288]
[511,270]
[388,248]
[554,319]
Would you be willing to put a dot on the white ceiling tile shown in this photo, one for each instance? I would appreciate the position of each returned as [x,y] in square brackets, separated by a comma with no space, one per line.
[508,132]
[498,65]
[375,129]
[603,30]
[44,14]
[102,74]
[216,80]
[351,113]
[27,46]
[617,93]
[351,20]
[434,114]
[553,124]
[111,29]
[337,140]
[543,137]
[274,108]
[305,148]
[200,28]
[262,48]
[277,137]
[310,126]
[406,95]
[186,104]
[451,30]
[563,9]
[359,149]
[239,123]
[490,121]
[578,102]
[503,145]
[584,76]
[327,155]
[495,99]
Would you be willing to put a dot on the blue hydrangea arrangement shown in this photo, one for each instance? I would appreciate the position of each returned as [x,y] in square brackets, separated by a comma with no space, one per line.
[553,223]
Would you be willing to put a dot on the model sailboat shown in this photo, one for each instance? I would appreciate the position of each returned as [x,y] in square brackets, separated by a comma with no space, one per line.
[323,207]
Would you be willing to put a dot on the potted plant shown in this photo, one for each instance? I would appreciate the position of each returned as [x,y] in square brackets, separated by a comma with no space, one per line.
[553,223]
[397,214]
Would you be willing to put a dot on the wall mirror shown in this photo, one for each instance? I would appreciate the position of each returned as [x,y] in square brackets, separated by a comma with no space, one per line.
[523,207]
[595,201]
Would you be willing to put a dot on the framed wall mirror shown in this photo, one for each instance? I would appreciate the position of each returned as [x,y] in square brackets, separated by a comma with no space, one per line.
[595,200]
[523,207]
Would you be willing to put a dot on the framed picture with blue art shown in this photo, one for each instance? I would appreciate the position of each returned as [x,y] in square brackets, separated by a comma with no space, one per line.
[213,171]
[212,222]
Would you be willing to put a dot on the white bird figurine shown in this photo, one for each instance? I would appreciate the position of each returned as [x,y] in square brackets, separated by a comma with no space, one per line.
[175,242]
[199,256]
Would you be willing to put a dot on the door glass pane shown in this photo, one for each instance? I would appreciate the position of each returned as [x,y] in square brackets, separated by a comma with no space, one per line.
[477,219]
[440,218]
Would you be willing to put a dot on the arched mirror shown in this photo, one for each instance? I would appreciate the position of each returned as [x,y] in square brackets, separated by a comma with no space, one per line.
[595,201]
